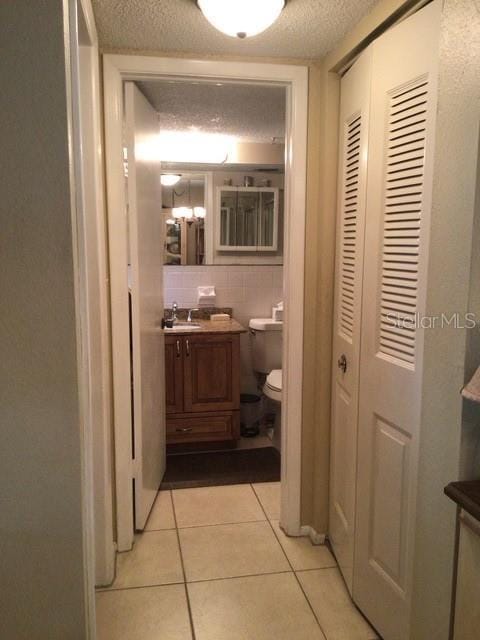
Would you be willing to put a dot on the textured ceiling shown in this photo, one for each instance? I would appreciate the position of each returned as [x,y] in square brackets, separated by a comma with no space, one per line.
[252,113]
[305,29]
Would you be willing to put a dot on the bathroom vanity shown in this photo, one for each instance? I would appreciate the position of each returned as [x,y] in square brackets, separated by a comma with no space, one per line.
[466,587]
[202,371]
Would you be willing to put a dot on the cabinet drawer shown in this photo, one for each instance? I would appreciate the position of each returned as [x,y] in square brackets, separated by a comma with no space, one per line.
[204,428]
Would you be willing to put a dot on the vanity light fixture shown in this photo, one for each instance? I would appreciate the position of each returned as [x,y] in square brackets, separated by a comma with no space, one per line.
[199,212]
[188,214]
[241,18]
[169,179]
[185,213]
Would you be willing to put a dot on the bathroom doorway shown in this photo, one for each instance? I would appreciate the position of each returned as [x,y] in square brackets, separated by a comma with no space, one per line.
[222,153]
[294,82]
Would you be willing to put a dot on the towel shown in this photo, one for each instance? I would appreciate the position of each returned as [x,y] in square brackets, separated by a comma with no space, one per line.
[471,391]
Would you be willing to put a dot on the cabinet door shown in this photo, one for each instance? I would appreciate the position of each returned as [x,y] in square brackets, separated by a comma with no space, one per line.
[174,374]
[467,611]
[211,373]
[267,237]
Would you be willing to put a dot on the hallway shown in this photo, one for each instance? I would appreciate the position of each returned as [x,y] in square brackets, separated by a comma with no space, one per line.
[213,564]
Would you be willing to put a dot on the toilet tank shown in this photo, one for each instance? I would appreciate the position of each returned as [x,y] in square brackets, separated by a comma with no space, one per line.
[266,341]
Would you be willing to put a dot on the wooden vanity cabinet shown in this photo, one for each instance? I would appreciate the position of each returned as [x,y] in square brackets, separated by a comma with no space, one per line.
[174,374]
[202,387]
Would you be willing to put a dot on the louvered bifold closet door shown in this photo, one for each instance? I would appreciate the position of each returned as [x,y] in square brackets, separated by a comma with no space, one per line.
[402,120]
[352,176]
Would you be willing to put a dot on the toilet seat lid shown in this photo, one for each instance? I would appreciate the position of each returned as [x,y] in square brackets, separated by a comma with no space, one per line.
[274,380]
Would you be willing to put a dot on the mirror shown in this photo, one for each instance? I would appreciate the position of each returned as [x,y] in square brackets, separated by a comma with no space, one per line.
[183,208]
[222,217]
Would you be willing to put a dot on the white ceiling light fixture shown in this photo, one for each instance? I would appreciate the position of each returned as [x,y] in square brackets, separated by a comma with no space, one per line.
[193,146]
[241,18]
[169,179]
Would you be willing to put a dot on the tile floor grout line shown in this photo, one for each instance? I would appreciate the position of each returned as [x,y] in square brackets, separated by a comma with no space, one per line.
[316,569]
[141,586]
[217,524]
[247,575]
[187,595]
[291,566]
[310,605]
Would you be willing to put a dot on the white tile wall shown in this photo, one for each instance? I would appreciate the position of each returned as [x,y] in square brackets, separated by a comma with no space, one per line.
[251,291]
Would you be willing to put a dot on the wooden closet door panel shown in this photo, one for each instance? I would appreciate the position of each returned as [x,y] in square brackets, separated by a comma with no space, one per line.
[174,374]
[400,168]
[211,373]
[352,179]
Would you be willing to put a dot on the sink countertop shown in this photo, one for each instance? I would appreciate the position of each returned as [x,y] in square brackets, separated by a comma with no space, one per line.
[467,495]
[208,326]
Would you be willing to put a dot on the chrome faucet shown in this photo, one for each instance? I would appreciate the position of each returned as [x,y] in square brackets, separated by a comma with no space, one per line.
[174,312]
[189,317]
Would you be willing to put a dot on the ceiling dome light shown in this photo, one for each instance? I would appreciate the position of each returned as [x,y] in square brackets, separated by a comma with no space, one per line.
[241,18]
[169,179]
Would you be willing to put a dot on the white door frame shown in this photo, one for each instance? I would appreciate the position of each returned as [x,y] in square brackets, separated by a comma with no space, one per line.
[91,266]
[118,68]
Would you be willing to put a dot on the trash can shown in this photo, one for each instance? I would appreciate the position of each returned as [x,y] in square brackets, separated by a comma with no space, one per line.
[250,409]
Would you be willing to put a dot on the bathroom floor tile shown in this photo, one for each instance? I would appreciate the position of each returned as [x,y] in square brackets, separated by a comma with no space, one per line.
[228,550]
[269,495]
[161,516]
[151,613]
[335,611]
[216,505]
[301,553]
[154,560]
[253,608]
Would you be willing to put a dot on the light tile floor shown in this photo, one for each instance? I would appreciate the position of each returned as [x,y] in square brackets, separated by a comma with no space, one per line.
[213,564]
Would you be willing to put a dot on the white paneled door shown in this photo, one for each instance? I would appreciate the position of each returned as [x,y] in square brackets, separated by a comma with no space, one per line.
[402,122]
[353,148]
[146,241]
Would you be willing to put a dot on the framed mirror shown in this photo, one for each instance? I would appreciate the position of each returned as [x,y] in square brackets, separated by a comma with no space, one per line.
[222,216]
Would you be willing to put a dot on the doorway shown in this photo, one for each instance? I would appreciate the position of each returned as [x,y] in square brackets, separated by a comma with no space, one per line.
[117,70]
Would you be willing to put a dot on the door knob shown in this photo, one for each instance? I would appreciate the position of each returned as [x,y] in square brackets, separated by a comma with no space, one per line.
[342,363]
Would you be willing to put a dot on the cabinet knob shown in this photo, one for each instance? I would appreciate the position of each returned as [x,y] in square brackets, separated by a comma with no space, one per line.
[178,348]
[187,344]
[342,363]
[184,429]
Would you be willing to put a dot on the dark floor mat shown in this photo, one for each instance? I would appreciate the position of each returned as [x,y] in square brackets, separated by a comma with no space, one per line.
[189,470]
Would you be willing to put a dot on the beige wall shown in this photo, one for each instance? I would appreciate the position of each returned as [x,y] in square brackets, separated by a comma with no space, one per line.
[450,291]
[40,492]
[445,445]
[257,153]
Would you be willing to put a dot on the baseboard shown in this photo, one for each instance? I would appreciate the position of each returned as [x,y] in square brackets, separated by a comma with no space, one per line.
[316,538]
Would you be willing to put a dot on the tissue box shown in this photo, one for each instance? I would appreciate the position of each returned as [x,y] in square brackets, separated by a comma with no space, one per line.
[277,311]
[206,296]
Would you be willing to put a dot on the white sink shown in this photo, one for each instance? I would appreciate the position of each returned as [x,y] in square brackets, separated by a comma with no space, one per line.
[184,326]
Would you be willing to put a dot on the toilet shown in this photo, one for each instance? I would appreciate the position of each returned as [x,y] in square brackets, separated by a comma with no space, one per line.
[266,341]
